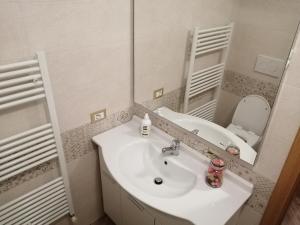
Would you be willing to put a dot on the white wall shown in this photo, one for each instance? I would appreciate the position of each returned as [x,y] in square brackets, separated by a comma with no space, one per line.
[262,27]
[88,47]
[162,30]
[284,122]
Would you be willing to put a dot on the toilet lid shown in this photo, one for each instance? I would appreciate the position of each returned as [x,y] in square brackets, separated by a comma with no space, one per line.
[252,114]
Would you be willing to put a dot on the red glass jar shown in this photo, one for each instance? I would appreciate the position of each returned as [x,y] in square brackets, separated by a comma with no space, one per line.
[214,177]
[233,150]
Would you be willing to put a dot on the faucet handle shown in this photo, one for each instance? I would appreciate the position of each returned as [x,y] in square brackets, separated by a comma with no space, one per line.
[175,143]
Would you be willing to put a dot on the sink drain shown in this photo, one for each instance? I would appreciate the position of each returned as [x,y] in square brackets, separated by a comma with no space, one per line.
[158,180]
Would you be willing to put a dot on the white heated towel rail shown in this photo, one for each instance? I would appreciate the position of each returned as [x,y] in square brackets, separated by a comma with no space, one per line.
[21,83]
[43,205]
[206,42]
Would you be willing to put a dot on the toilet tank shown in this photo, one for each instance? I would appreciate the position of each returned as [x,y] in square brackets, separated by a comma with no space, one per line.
[252,113]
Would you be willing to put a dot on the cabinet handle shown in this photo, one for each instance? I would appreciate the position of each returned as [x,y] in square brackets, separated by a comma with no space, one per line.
[136,203]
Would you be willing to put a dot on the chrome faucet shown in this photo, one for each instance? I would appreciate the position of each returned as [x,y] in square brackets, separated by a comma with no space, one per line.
[195,131]
[173,149]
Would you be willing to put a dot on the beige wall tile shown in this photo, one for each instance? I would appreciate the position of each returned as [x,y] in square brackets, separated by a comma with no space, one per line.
[88,46]
[226,108]
[86,188]
[294,78]
[13,38]
[61,25]
[249,217]
[249,41]
[162,37]
[288,114]
[21,118]
[272,156]
[155,69]
[89,79]
[263,27]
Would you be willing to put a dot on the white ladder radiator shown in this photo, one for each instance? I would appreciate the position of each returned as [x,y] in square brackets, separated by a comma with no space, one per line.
[22,83]
[199,81]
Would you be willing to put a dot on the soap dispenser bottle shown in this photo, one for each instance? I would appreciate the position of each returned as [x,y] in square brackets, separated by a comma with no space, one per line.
[146,125]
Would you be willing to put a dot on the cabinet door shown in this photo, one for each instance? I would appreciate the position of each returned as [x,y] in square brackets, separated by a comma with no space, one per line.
[157,222]
[133,212]
[111,197]
[164,219]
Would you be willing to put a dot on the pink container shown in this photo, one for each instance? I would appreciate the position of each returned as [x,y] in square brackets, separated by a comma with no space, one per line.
[214,177]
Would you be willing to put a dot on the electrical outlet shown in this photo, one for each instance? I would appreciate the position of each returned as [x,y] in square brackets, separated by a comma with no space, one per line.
[99,115]
[158,93]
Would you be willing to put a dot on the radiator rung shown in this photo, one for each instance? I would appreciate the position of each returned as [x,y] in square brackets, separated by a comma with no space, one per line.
[39,206]
[24,134]
[14,66]
[20,72]
[33,137]
[21,83]
[47,144]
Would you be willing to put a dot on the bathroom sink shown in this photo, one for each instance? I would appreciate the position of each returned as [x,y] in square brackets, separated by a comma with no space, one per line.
[180,188]
[148,169]
[211,132]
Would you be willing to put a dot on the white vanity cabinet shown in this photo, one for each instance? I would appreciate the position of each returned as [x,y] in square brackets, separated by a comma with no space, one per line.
[124,209]
[111,197]
[184,194]
[121,207]
[133,212]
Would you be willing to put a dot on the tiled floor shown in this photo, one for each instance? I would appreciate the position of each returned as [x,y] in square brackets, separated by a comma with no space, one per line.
[292,216]
[103,221]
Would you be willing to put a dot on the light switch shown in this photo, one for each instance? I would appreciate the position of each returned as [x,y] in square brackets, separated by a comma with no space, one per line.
[158,93]
[271,66]
[99,115]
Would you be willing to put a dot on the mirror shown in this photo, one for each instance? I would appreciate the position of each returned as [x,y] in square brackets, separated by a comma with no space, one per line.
[213,67]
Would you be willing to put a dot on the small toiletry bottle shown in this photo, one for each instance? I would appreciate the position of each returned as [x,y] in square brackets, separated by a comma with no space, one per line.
[214,177]
[146,125]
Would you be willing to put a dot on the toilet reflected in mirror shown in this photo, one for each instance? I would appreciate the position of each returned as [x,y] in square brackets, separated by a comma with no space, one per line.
[250,119]
[213,68]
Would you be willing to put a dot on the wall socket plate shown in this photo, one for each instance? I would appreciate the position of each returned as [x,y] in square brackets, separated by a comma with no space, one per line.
[97,116]
[158,93]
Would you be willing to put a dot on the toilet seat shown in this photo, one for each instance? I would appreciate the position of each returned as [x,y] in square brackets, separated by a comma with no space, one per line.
[250,118]
[248,136]
[252,113]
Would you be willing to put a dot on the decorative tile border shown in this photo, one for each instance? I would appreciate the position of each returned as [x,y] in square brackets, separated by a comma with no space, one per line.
[172,100]
[76,142]
[233,82]
[262,186]
[243,85]
[27,175]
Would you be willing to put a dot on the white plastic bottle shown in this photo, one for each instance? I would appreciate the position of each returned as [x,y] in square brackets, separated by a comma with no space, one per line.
[146,125]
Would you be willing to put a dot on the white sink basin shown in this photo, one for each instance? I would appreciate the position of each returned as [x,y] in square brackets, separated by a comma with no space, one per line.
[142,161]
[134,161]
[211,132]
